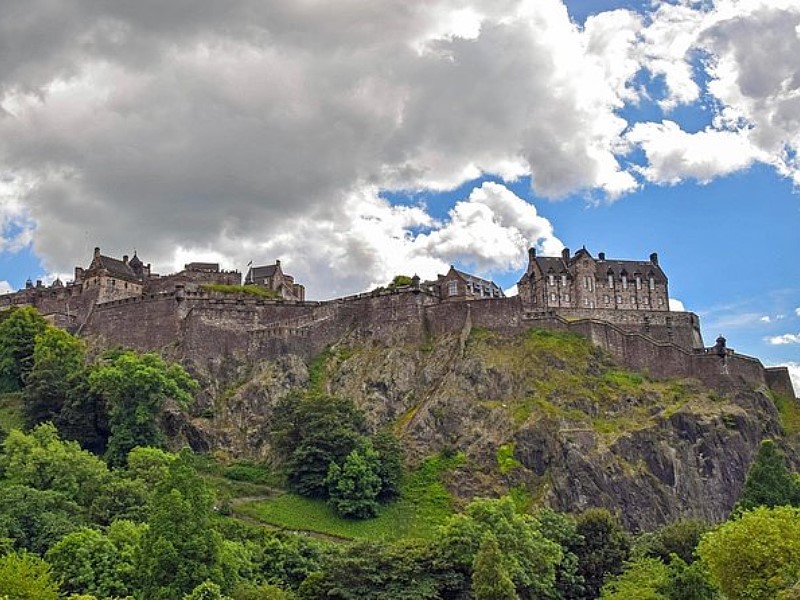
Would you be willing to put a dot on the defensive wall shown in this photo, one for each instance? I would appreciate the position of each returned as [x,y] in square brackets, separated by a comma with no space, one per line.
[201,326]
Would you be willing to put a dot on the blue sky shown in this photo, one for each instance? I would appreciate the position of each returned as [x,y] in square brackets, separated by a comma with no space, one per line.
[355,146]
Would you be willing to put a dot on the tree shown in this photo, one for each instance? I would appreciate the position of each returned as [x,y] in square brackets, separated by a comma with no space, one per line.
[18,331]
[529,558]
[562,529]
[769,482]
[135,388]
[208,590]
[390,464]
[490,581]
[58,364]
[87,561]
[34,519]
[26,577]
[180,548]
[313,432]
[43,461]
[602,550]
[353,488]
[756,556]
[679,538]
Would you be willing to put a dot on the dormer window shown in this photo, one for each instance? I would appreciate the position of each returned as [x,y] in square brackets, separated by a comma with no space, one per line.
[551,279]
[638,282]
[452,288]
[652,283]
[624,281]
[563,281]
[610,279]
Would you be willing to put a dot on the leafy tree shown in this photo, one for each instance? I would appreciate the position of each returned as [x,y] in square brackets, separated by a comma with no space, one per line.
[679,538]
[286,560]
[315,431]
[34,519]
[769,482]
[353,488]
[149,465]
[26,577]
[84,415]
[756,556]
[563,530]
[264,591]
[643,579]
[18,331]
[43,461]
[135,388]
[120,498]
[90,562]
[602,550]
[490,581]
[58,363]
[208,590]
[180,549]
[399,281]
[528,556]
[390,464]
[689,581]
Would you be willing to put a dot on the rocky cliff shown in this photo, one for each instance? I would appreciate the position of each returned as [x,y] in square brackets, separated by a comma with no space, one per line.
[543,414]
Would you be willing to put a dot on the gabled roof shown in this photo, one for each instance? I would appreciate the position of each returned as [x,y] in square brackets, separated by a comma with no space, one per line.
[630,267]
[261,272]
[115,268]
[475,279]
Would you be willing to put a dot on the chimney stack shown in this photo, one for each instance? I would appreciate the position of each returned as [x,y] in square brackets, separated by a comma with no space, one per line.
[124,259]
[96,251]
[601,256]
[654,258]
[565,254]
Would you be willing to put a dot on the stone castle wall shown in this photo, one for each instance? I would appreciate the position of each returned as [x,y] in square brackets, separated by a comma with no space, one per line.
[203,326]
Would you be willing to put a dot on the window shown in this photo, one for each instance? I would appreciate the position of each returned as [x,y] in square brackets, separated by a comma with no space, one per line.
[619,299]
[551,279]
[566,297]
[610,280]
[606,299]
[586,302]
[645,300]
[661,302]
[624,282]
[638,282]
[587,283]
[652,283]
[552,297]
[563,281]
[452,288]
[633,299]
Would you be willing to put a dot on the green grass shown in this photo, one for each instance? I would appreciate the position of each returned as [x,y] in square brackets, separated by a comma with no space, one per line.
[789,410]
[252,290]
[423,506]
[505,458]
[11,411]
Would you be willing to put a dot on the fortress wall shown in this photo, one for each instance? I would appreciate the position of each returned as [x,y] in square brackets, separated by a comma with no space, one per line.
[503,314]
[192,280]
[144,323]
[779,381]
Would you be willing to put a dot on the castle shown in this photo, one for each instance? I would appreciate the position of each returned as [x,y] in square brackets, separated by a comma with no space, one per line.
[620,305]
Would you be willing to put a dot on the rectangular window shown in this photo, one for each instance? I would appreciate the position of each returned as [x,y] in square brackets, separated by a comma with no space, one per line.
[652,283]
[661,302]
[452,288]
[645,300]
[633,299]
[551,279]
[638,283]
[552,297]
[566,297]
[610,281]
[586,302]
[606,299]
[624,282]
[563,281]
[619,299]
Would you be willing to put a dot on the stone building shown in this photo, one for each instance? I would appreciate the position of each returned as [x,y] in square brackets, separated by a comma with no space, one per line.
[584,282]
[113,279]
[273,278]
[459,286]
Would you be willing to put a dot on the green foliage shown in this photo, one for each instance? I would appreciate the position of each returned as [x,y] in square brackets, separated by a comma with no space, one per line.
[90,562]
[250,290]
[505,458]
[208,590]
[135,388]
[529,558]
[264,591]
[43,461]
[180,549]
[755,556]
[120,498]
[640,580]
[490,581]
[406,570]
[150,465]
[18,331]
[789,411]
[26,577]
[562,529]
[315,431]
[84,414]
[399,281]
[58,362]
[10,413]
[389,467]
[34,519]
[769,482]
[602,548]
[353,488]
[249,472]
[679,538]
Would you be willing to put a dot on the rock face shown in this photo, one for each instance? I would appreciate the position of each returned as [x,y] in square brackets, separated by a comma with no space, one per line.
[543,413]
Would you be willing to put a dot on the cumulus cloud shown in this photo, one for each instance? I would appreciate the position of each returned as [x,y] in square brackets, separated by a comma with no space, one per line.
[797,311]
[794,373]
[786,338]
[5,287]
[676,305]
[189,126]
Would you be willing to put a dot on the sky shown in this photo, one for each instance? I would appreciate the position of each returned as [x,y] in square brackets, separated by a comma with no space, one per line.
[360,139]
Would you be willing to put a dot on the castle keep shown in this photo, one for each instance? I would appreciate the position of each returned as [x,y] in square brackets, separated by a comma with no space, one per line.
[620,305]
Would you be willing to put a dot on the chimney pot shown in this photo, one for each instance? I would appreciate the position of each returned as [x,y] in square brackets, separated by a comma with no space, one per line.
[565,254]
[96,251]
[601,256]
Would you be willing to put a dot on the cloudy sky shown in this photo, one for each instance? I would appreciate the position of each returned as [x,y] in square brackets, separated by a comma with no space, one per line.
[360,139]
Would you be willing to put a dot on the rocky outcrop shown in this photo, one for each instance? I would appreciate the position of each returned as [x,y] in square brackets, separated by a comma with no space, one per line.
[576,431]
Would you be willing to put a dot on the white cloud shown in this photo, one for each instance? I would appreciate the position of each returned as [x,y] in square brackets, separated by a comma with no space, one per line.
[766,319]
[676,305]
[786,338]
[5,287]
[797,311]
[794,373]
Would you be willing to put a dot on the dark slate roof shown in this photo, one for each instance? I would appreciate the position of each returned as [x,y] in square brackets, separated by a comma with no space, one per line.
[135,262]
[115,268]
[554,264]
[256,273]
[474,279]
[630,267]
